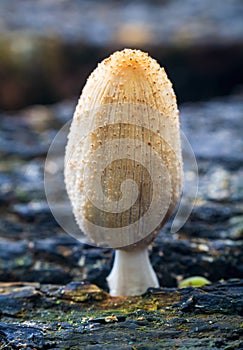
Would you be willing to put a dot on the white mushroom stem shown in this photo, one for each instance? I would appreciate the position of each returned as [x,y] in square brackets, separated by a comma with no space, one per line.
[132,273]
[125,130]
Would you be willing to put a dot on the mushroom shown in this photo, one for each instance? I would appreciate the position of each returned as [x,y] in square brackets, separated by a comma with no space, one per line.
[123,166]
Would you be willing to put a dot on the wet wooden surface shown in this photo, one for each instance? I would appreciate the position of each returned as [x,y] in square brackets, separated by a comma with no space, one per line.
[78,316]
[43,303]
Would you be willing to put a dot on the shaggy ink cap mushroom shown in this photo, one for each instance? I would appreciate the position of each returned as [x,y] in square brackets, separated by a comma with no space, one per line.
[123,166]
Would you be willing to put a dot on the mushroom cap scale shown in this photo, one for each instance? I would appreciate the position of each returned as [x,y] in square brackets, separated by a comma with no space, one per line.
[124,151]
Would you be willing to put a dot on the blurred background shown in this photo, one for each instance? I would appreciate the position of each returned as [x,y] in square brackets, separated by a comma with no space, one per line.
[49,47]
[47,50]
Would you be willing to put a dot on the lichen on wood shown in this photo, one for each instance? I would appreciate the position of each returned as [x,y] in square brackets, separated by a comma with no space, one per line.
[83,316]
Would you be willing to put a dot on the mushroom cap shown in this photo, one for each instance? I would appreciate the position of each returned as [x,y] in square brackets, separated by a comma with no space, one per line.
[123,166]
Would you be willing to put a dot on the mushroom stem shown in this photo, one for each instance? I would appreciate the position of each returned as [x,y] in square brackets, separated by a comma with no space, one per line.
[132,273]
